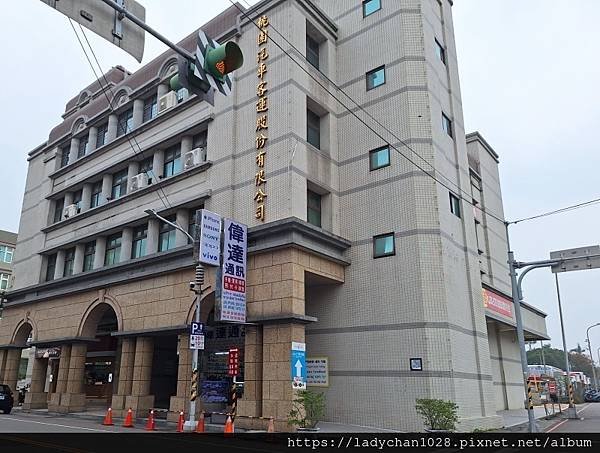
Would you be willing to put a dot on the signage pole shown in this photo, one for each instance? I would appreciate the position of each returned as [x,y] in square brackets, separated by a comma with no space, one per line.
[199,281]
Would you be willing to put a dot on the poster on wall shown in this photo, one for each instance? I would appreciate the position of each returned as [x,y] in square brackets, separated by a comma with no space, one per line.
[498,304]
[317,371]
[232,291]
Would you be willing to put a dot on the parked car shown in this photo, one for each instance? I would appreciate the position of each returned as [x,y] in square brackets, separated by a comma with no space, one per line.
[6,399]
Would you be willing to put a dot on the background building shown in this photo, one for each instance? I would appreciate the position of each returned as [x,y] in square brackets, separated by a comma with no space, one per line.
[8,241]
[368,248]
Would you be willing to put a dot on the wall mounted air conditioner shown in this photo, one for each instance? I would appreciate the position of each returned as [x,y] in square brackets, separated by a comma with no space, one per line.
[167,101]
[70,211]
[138,182]
[193,158]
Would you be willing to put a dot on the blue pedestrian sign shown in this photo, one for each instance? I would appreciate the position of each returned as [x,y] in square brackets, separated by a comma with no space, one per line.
[196,328]
[298,365]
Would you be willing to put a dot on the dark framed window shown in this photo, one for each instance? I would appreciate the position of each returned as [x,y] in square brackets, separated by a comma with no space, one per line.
[113,250]
[89,254]
[150,108]
[379,158]
[199,140]
[50,267]
[440,51]
[83,145]
[64,156]
[102,135]
[181,94]
[370,6]
[96,192]
[119,185]
[313,129]
[192,221]
[77,199]
[166,237]
[4,279]
[447,125]
[125,122]
[312,51]
[313,208]
[376,78]
[59,206]
[455,205]
[172,161]
[69,262]
[146,167]
[384,245]
[6,253]
[140,236]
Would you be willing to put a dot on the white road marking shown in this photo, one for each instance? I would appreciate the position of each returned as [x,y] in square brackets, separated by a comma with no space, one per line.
[558,425]
[56,424]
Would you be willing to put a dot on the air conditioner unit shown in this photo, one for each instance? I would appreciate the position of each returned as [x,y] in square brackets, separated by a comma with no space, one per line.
[138,181]
[167,101]
[193,158]
[70,211]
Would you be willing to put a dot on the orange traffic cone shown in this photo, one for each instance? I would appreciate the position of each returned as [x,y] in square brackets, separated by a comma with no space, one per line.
[180,423]
[271,427]
[150,425]
[108,421]
[229,428]
[128,419]
[200,425]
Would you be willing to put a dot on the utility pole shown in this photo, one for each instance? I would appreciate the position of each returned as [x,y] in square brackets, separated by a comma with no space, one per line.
[595,383]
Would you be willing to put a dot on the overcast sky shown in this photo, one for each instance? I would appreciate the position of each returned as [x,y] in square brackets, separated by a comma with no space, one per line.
[529,79]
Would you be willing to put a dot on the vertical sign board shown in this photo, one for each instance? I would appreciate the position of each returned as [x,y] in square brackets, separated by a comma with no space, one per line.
[317,371]
[298,365]
[233,362]
[196,335]
[209,237]
[233,278]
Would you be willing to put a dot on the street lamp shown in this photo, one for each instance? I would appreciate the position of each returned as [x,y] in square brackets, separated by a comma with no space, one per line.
[197,289]
[591,354]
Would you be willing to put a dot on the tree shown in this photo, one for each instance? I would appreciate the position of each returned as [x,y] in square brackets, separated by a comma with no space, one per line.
[556,357]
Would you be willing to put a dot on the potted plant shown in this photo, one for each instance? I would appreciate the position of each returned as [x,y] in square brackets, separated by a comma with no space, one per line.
[438,415]
[308,409]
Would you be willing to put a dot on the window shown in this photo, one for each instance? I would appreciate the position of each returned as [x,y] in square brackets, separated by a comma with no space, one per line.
[455,205]
[447,125]
[150,108]
[113,250]
[172,161]
[96,192]
[64,156]
[192,222]
[441,51]
[102,135]
[119,185]
[313,129]
[199,141]
[146,167]
[181,94]
[370,6]
[69,262]
[375,78]
[125,123]
[384,245]
[6,253]
[166,238]
[138,248]
[379,158]
[312,51]
[4,278]
[313,214]
[50,267]
[59,206]
[88,256]
[77,199]
[83,145]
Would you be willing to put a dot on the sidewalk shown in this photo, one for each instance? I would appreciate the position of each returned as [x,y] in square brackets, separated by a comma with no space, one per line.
[517,420]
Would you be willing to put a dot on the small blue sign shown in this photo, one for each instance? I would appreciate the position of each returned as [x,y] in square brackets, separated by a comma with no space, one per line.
[298,365]
[196,328]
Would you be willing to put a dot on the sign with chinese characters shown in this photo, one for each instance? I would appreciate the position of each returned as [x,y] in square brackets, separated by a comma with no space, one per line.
[233,362]
[197,341]
[298,365]
[209,237]
[317,371]
[262,119]
[498,304]
[233,272]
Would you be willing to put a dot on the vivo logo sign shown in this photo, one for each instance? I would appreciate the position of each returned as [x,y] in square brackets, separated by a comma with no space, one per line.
[210,238]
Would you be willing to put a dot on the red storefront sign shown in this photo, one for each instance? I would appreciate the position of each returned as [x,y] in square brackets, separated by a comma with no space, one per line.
[233,362]
[498,304]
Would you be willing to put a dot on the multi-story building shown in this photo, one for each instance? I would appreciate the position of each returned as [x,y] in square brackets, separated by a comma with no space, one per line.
[8,241]
[363,242]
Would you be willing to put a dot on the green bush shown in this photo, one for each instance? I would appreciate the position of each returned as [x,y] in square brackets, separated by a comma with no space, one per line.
[438,414]
[307,410]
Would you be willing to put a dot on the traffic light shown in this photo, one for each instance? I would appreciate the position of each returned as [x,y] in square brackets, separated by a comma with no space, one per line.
[185,78]
[222,60]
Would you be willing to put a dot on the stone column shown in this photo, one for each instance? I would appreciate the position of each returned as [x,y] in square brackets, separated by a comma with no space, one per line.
[126,244]
[68,199]
[73,150]
[11,368]
[186,144]
[152,239]
[78,263]
[36,398]
[182,218]
[60,265]
[100,252]
[106,187]
[86,197]
[163,89]
[74,398]
[180,401]
[125,376]
[132,170]
[251,403]
[158,165]
[93,138]
[111,133]
[140,400]
[138,112]
[61,379]
[3,353]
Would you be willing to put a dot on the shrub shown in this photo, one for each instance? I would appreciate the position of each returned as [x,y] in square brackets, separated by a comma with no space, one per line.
[438,414]
[307,410]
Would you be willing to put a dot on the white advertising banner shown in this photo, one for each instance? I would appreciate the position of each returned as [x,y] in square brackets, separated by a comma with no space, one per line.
[233,278]
[209,238]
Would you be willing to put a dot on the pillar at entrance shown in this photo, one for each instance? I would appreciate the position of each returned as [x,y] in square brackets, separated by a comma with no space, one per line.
[3,353]
[11,368]
[140,399]
[61,379]
[36,398]
[251,403]
[180,402]
[125,376]
[74,398]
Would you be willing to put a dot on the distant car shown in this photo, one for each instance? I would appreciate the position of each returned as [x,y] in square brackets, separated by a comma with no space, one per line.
[6,399]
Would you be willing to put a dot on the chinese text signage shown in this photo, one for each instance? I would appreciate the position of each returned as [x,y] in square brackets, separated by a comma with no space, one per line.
[498,304]
[233,362]
[262,119]
[317,371]
[233,272]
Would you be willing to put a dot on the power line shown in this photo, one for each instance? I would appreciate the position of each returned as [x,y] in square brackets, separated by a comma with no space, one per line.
[558,211]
